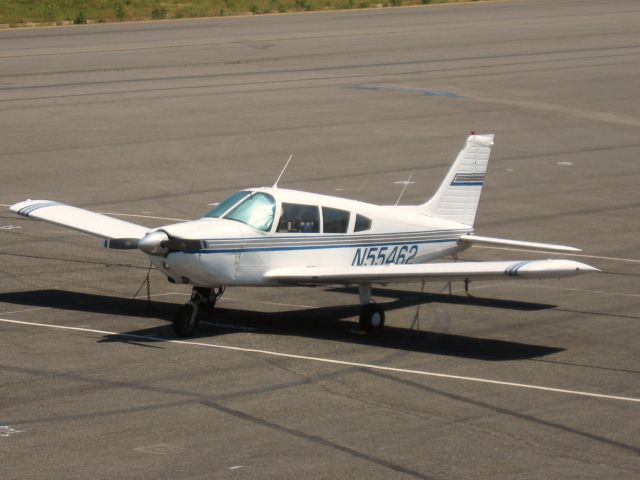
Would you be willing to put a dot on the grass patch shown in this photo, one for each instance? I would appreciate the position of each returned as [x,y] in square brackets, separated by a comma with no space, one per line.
[20,12]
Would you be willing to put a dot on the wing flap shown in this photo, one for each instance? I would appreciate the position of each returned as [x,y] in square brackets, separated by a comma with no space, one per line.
[428,272]
[79,219]
[478,240]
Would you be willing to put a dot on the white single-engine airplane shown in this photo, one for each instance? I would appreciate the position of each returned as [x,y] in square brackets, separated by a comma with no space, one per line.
[275,236]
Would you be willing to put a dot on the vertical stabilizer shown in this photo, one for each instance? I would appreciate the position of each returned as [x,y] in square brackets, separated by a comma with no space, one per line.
[458,196]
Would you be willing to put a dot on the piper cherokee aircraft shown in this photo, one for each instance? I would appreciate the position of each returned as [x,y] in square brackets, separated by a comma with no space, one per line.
[276,236]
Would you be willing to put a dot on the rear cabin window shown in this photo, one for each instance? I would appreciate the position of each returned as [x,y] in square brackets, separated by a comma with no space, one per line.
[362,223]
[299,218]
[334,220]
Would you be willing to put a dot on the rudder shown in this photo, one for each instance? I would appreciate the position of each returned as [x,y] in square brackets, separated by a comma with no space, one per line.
[458,196]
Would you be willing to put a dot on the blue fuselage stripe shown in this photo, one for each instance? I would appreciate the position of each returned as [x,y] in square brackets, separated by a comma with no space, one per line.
[320,247]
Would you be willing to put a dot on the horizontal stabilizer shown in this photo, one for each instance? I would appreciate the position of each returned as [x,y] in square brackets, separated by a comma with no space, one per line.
[429,272]
[79,219]
[477,240]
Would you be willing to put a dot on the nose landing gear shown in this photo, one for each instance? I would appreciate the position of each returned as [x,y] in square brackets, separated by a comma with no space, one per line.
[186,321]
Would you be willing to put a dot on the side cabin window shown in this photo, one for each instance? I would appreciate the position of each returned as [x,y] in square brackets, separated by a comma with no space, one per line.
[362,223]
[299,218]
[334,220]
[256,211]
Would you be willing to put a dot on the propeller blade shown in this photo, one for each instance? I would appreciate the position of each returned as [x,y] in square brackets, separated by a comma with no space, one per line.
[121,243]
[183,244]
[155,243]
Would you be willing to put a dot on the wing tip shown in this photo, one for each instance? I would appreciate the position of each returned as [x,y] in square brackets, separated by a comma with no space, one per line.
[16,207]
[25,207]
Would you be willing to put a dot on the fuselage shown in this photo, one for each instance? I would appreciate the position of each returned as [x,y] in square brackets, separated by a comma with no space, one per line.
[265,228]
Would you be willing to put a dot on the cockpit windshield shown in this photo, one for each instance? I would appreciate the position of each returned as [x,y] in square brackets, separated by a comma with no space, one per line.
[231,201]
[256,211]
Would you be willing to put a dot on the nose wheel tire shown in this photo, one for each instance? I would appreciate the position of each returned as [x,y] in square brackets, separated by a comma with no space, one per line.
[185,321]
[371,317]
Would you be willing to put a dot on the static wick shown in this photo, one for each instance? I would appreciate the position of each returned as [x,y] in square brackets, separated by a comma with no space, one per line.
[275,185]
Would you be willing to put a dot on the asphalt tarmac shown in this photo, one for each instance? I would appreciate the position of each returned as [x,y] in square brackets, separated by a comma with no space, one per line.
[154,121]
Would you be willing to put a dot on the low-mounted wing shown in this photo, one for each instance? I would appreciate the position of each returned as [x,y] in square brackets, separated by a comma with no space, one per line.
[120,234]
[428,272]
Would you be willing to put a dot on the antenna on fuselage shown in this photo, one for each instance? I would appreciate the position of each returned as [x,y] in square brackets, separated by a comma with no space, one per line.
[275,185]
[406,183]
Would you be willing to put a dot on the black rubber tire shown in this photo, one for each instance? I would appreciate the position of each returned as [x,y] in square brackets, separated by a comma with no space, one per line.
[185,322]
[371,317]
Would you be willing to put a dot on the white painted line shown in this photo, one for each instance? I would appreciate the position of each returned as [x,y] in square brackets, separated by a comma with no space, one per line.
[534,285]
[161,295]
[236,467]
[337,362]
[231,299]
[477,286]
[4,205]
[630,260]
[7,431]
[598,292]
[158,449]
[23,310]
[246,300]
[229,326]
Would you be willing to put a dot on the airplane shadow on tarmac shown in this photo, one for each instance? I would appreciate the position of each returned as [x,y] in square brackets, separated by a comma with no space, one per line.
[335,323]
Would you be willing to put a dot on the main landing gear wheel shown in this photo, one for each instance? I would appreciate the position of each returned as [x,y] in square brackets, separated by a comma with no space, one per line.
[371,317]
[185,321]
